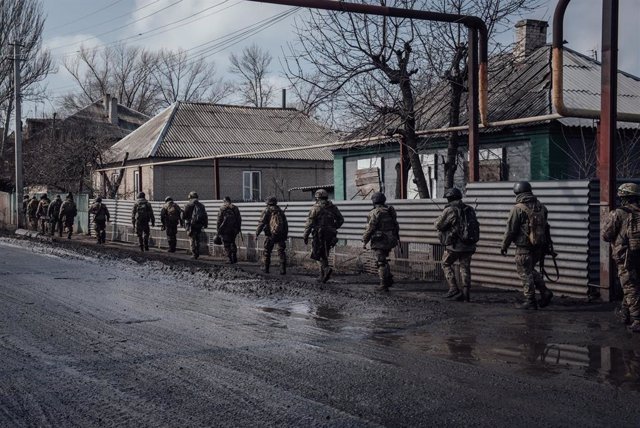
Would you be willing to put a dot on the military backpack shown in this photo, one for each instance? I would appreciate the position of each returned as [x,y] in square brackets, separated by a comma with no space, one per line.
[278,226]
[142,213]
[536,224]
[468,230]
[631,229]
[173,212]
[199,216]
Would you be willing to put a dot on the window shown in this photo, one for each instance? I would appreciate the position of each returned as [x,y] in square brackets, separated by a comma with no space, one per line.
[429,168]
[136,183]
[369,163]
[491,164]
[251,186]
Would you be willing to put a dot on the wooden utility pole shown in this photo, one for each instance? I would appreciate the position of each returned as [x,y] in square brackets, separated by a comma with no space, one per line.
[18,132]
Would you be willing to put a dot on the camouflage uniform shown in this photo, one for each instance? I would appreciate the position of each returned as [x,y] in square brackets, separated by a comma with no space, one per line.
[323,222]
[32,209]
[527,256]
[455,250]
[170,217]
[271,240]
[42,213]
[383,231]
[228,227]
[25,204]
[141,216]
[100,218]
[628,263]
[194,229]
[68,212]
[54,216]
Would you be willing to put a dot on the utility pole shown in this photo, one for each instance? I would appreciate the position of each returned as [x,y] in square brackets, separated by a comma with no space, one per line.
[18,132]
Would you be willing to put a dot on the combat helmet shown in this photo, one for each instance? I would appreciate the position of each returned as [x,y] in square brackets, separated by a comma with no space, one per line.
[44,196]
[193,195]
[453,194]
[321,194]
[522,187]
[272,200]
[627,190]
[141,195]
[98,199]
[168,198]
[378,198]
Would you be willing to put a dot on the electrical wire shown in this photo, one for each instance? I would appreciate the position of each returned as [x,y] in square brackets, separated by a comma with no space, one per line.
[85,16]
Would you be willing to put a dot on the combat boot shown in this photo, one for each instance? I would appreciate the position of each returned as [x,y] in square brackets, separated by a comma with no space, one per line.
[635,327]
[383,287]
[623,315]
[283,267]
[545,299]
[327,274]
[234,257]
[465,294]
[321,277]
[453,293]
[265,266]
[528,305]
[140,243]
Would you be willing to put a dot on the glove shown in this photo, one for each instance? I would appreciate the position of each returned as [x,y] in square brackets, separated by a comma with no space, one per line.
[306,240]
[162,227]
[153,225]
[364,245]
[503,251]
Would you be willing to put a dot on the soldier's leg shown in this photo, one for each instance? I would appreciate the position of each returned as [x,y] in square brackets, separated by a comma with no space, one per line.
[266,254]
[465,274]
[139,233]
[147,232]
[234,251]
[96,228]
[282,254]
[384,272]
[172,232]
[448,260]
[226,244]
[524,267]
[630,282]
[538,279]
[69,229]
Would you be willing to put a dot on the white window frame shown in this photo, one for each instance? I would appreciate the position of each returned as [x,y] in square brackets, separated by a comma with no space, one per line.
[136,183]
[249,192]
[429,168]
[367,163]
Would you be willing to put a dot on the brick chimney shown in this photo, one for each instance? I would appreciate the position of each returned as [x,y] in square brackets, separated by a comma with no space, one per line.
[530,35]
[113,111]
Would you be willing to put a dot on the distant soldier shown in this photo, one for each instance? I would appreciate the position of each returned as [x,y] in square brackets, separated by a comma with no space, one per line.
[459,232]
[32,209]
[54,216]
[68,212]
[383,231]
[195,219]
[276,229]
[228,227]
[100,218]
[25,204]
[323,222]
[528,229]
[42,213]
[141,216]
[622,229]
[170,217]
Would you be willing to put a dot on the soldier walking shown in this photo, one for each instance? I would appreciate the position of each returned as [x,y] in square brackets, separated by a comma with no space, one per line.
[383,231]
[622,229]
[196,219]
[323,222]
[32,209]
[141,216]
[170,217]
[459,232]
[42,213]
[68,212]
[100,218]
[528,229]
[25,212]
[54,215]
[276,230]
[228,226]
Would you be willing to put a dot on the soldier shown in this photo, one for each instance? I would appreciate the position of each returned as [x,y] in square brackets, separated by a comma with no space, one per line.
[100,218]
[141,215]
[227,227]
[170,217]
[323,222]
[42,213]
[25,204]
[32,209]
[276,229]
[383,231]
[54,215]
[68,212]
[196,219]
[622,229]
[528,229]
[459,246]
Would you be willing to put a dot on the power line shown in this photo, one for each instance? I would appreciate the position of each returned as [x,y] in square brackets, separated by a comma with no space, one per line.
[85,16]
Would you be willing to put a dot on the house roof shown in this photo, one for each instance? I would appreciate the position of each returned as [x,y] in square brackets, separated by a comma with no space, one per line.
[518,90]
[96,111]
[192,130]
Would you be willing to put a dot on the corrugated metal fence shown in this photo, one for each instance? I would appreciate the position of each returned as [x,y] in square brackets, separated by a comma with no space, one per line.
[569,216]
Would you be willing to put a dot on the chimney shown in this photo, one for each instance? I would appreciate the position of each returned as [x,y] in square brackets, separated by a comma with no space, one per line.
[113,111]
[284,98]
[530,35]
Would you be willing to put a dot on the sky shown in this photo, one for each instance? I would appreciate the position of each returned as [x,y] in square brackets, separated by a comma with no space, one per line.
[94,23]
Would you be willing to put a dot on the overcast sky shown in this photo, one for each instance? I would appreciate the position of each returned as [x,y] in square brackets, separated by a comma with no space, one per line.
[93,23]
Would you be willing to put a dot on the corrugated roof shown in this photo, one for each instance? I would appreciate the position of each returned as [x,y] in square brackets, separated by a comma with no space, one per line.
[96,112]
[518,90]
[191,130]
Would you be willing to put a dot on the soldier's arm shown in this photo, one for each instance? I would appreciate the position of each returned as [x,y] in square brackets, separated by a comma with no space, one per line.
[372,220]
[219,220]
[262,223]
[133,214]
[106,211]
[396,225]
[445,221]
[339,218]
[310,223]
[163,216]
[513,228]
[609,228]
[239,217]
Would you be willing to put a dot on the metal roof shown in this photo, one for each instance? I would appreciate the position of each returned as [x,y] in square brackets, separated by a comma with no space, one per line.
[518,90]
[191,130]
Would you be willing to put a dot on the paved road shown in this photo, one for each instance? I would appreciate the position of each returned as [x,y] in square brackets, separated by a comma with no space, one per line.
[86,341]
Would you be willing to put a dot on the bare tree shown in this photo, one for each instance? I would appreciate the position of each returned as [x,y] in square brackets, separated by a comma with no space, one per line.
[178,78]
[252,69]
[374,68]
[21,21]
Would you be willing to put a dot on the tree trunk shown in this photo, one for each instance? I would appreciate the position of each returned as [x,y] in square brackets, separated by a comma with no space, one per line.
[456,78]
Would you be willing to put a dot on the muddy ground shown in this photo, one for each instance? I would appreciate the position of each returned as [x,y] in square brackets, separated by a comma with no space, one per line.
[110,337]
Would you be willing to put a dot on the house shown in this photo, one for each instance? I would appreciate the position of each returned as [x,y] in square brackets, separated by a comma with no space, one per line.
[519,87]
[258,152]
[60,153]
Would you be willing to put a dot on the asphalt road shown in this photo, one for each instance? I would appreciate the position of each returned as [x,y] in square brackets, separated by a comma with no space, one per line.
[90,341]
